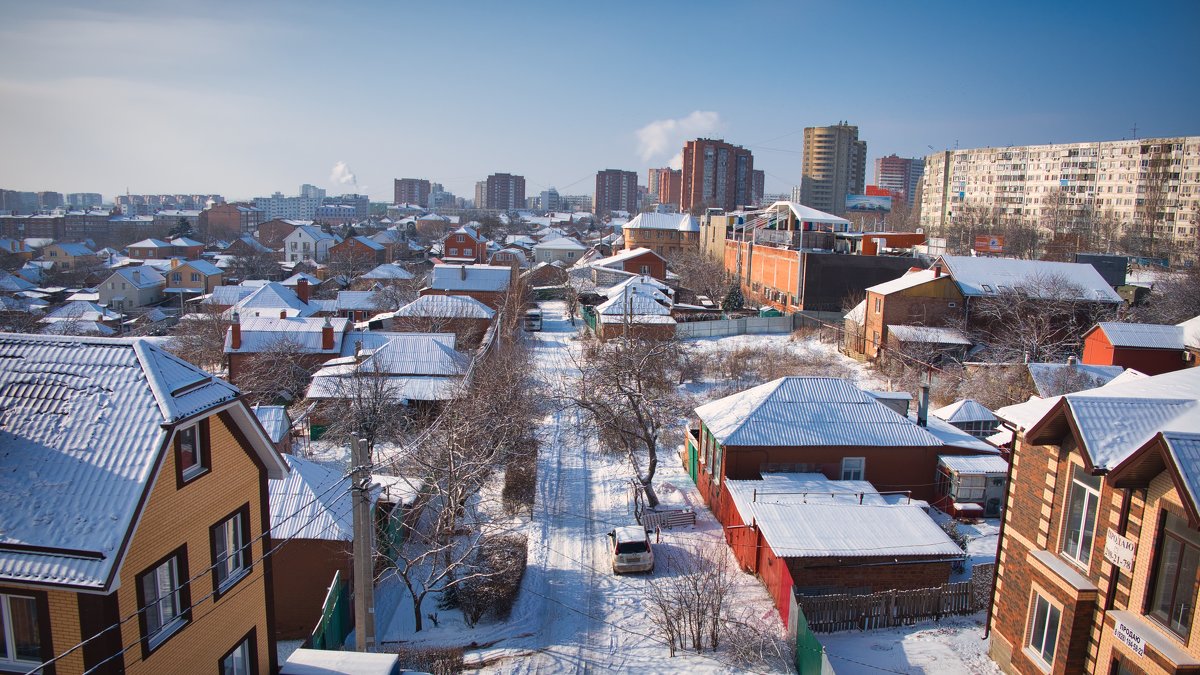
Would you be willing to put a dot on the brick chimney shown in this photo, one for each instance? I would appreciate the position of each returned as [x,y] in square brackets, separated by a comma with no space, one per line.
[137,277]
[462,272]
[302,290]
[937,270]
[283,313]
[235,332]
[327,335]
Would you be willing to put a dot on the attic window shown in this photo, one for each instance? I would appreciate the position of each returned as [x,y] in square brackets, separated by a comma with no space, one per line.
[987,289]
[1004,289]
[191,452]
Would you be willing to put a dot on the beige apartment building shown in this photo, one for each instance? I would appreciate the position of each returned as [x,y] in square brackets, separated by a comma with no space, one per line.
[835,165]
[1148,185]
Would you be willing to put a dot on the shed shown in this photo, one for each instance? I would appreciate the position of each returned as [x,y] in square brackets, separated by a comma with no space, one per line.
[1150,348]
[971,486]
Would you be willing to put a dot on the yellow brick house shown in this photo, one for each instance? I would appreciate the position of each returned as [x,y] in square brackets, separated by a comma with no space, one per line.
[134,513]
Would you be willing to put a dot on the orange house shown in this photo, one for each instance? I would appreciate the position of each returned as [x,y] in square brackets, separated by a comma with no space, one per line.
[137,527]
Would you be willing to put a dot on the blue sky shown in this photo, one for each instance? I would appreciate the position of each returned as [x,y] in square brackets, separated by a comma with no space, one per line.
[248,98]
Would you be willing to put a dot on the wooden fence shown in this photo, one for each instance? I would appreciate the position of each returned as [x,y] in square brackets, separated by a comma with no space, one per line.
[831,613]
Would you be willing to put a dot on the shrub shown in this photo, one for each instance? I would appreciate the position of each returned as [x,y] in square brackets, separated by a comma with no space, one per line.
[520,483]
[500,565]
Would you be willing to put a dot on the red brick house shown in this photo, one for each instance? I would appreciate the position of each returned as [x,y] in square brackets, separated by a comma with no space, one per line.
[486,283]
[1100,544]
[358,252]
[272,232]
[638,261]
[1145,347]
[464,246]
[151,249]
[317,340]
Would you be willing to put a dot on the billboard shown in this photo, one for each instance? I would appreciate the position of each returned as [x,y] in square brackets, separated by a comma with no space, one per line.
[868,203]
[989,243]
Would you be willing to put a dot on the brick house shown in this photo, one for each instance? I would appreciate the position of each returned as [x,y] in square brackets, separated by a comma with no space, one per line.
[193,277]
[638,261]
[151,249]
[247,246]
[272,233]
[1148,348]
[462,315]
[1097,569]
[464,246]
[920,298]
[635,308]
[358,253]
[317,340]
[230,220]
[70,256]
[152,541]
[664,233]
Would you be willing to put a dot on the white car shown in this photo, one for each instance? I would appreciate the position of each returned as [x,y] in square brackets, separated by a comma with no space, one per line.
[631,551]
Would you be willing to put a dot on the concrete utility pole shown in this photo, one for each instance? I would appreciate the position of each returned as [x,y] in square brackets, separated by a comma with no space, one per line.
[364,547]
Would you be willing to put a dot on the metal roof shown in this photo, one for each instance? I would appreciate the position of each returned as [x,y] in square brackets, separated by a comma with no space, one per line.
[388,271]
[1191,332]
[1049,379]
[274,421]
[649,220]
[83,426]
[560,244]
[974,463]
[1141,335]
[911,278]
[470,277]
[928,334]
[445,306]
[312,502]
[807,214]
[965,410]
[809,411]
[976,275]
[260,333]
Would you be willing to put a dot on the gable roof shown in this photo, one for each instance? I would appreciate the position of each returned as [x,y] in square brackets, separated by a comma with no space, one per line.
[445,306]
[681,222]
[1191,332]
[964,410]
[809,411]
[352,300]
[184,242]
[261,333]
[268,300]
[147,276]
[80,310]
[414,366]
[150,243]
[972,274]
[85,421]
[251,242]
[368,242]
[388,271]
[618,258]
[559,244]
[1049,378]
[12,283]
[203,267]
[73,249]
[910,279]
[312,502]
[274,420]
[228,295]
[1140,335]
[935,335]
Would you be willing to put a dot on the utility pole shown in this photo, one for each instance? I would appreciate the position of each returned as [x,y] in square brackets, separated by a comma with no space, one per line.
[364,547]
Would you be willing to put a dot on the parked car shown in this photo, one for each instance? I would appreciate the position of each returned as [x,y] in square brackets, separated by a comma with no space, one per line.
[631,550]
[533,320]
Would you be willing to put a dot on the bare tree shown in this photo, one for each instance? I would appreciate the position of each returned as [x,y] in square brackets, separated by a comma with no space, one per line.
[274,372]
[367,404]
[701,274]
[200,338]
[627,391]
[256,265]
[689,604]
[1175,298]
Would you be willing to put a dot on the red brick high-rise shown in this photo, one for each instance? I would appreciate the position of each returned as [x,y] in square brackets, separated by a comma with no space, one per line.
[504,192]
[616,190]
[666,185]
[412,191]
[716,174]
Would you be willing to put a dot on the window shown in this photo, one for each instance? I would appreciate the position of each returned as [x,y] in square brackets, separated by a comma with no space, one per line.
[20,634]
[1177,560]
[468,252]
[195,276]
[191,451]
[971,488]
[1043,630]
[231,549]
[242,659]
[164,600]
[878,305]
[645,269]
[854,468]
[454,251]
[1080,526]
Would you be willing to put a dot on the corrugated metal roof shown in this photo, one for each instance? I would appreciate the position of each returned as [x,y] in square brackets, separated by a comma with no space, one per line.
[260,333]
[965,410]
[274,420]
[975,275]
[618,258]
[803,411]
[974,463]
[1049,379]
[268,300]
[82,429]
[445,306]
[312,502]
[559,244]
[649,220]
[348,300]
[470,277]
[928,334]
[228,295]
[808,214]
[1185,448]
[1142,335]
[388,271]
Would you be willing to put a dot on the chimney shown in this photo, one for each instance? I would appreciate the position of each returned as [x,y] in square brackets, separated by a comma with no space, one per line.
[283,313]
[358,350]
[302,290]
[327,335]
[1071,360]
[235,332]
[137,276]
[462,272]
[175,262]
[937,270]
[923,406]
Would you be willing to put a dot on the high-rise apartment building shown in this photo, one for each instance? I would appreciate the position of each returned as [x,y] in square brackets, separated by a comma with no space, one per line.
[760,186]
[550,200]
[503,192]
[288,208]
[666,185]
[312,192]
[84,200]
[716,174]
[49,200]
[412,191]
[835,165]
[899,175]
[616,190]
[1148,186]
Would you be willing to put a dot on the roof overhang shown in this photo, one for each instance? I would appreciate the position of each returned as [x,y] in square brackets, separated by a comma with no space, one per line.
[1146,463]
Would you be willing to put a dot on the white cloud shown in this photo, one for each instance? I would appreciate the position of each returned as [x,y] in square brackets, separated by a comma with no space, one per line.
[660,137]
[342,175]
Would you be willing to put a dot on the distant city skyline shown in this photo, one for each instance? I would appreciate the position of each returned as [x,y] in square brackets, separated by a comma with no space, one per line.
[247,100]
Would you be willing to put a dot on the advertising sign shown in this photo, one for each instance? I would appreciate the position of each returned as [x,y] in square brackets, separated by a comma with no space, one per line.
[1119,551]
[1130,638]
[869,203]
[989,243]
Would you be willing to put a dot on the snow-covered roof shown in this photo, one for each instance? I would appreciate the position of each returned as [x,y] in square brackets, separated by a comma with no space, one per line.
[369,243]
[415,366]
[974,463]
[204,267]
[294,280]
[964,410]
[637,300]
[82,327]
[515,253]
[142,276]
[445,306]
[312,502]
[617,258]
[84,423]
[150,243]
[312,232]
[253,243]
[360,300]
[228,295]
[559,244]
[1191,332]
[75,249]
[10,283]
[951,435]
[80,310]
[185,242]
[680,222]
[470,277]
[835,524]
[809,411]
[1141,335]
[859,314]
[928,334]
[388,271]
[807,214]
[976,275]
[910,279]
[269,300]
[1114,420]
[261,333]
[274,421]
[1049,378]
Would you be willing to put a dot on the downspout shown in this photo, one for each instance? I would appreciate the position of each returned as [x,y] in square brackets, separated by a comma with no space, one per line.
[987,622]
[1114,572]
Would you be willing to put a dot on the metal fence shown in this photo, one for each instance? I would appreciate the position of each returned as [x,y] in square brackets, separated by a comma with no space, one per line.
[756,325]
[831,613]
[335,623]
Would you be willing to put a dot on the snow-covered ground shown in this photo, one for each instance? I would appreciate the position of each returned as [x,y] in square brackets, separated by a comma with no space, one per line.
[574,615]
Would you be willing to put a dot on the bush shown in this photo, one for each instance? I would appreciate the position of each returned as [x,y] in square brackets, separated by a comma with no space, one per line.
[520,483]
[434,660]
[500,564]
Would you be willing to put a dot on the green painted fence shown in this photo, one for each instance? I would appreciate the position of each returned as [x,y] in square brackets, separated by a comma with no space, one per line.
[809,652]
[336,622]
